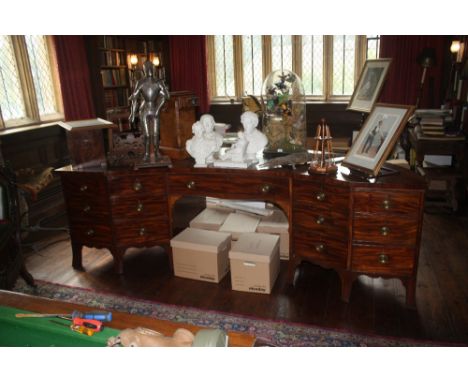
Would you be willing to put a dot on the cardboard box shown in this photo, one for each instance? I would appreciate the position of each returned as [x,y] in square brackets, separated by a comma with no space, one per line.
[277,224]
[255,262]
[238,223]
[201,254]
[210,218]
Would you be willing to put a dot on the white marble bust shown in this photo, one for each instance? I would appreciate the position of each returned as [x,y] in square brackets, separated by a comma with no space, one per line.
[199,147]
[255,138]
[208,123]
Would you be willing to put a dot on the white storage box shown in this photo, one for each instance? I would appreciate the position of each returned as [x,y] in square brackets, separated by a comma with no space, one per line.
[238,223]
[210,218]
[200,254]
[255,262]
[277,224]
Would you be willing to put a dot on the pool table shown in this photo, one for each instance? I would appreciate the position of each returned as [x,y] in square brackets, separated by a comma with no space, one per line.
[52,331]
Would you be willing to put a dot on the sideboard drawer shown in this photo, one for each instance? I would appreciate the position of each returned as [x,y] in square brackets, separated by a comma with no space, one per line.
[317,194]
[144,232]
[383,260]
[78,185]
[387,202]
[91,234]
[320,249]
[385,229]
[138,208]
[260,187]
[322,221]
[193,184]
[88,209]
[224,185]
[136,184]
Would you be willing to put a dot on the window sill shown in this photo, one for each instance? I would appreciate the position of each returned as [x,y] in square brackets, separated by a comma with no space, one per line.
[19,124]
[308,102]
[14,130]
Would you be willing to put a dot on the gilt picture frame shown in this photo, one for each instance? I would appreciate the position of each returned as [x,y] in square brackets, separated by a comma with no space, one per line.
[369,85]
[377,137]
[2,124]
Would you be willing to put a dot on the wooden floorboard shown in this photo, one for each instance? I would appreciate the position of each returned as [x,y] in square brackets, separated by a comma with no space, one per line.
[377,306]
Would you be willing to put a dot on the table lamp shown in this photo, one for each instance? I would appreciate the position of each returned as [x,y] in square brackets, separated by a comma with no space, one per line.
[426,59]
[133,68]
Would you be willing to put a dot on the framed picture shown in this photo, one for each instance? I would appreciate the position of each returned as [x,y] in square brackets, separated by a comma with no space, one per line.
[369,85]
[2,124]
[377,137]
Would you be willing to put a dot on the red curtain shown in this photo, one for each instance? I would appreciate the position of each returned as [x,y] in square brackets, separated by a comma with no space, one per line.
[189,68]
[404,75]
[74,77]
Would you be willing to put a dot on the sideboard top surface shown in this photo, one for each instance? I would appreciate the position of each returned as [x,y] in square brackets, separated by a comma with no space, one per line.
[400,177]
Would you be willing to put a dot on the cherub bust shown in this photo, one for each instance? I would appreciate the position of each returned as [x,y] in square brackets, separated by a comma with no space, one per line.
[255,138]
[208,124]
[199,147]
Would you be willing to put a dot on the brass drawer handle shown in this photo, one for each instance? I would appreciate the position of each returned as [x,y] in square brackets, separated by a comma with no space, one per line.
[84,187]
[386,204]
[320,220]
[383,259]
[142,232]
[90,232]
[321,196]
[87,208]
[139,207]
[384,231]
[191,185]
[137,186]
[320,247]
[266,188]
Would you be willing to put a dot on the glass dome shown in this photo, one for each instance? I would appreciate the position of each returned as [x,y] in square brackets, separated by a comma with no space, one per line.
[284,113]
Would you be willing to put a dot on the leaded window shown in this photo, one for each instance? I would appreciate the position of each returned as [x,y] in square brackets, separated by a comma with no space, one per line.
[328,65]
[29,91]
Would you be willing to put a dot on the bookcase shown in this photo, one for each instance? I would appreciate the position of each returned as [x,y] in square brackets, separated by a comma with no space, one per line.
[112,75]
[113,72]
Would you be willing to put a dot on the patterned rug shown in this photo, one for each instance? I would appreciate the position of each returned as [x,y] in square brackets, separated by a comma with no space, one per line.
[267,332]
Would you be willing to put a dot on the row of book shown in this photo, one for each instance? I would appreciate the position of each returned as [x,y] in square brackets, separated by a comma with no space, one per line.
[114,77]
[138,46]
[112,58]
[116,97]
[110,42]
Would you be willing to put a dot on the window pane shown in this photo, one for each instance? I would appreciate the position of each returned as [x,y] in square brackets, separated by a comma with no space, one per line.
[224,64]
[343,64]
[252,64]
[312,64]
[281,52]
[373,45]
[11,97]
[41,73]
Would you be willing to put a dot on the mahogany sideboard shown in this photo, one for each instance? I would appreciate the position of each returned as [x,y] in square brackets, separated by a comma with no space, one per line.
[339,221]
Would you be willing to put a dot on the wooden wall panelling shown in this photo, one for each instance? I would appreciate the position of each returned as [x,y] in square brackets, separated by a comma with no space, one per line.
[36,148]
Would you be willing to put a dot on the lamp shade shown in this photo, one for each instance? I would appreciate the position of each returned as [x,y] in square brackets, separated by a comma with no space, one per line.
[427,58]
[134,59]
[455,47]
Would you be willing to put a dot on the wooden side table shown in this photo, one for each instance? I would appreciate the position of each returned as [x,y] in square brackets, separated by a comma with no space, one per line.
[451,176]
[85,140]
